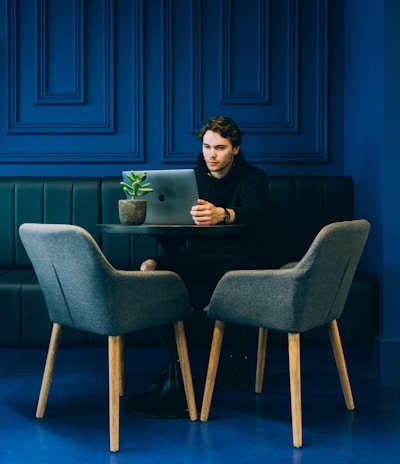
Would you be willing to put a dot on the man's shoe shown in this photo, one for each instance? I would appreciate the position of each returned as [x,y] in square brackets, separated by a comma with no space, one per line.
[236,376]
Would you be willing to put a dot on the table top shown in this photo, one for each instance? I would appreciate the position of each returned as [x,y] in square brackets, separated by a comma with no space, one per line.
[181,229]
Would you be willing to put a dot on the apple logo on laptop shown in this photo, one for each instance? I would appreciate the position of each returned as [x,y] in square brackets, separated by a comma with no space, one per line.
[161,197]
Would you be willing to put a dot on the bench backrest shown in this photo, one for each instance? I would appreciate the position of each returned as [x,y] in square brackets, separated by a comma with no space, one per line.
[298,208]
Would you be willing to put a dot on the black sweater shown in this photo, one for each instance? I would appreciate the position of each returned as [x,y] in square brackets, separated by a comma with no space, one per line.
[244,189]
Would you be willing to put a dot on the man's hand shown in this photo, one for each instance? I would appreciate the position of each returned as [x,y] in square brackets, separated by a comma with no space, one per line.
[207,214]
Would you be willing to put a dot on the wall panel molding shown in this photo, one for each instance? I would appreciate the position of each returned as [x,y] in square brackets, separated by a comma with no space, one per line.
[267,69]
[50,38]
[32,53]
[92,81]
[255,91]
[74,82]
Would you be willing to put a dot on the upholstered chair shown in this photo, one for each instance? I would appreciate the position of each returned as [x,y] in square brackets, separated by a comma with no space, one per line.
[294,299]
[83,290]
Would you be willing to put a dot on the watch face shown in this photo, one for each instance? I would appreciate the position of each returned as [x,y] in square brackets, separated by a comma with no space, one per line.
[227,217]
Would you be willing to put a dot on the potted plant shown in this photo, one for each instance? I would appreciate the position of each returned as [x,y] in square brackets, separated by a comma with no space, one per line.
[133,211]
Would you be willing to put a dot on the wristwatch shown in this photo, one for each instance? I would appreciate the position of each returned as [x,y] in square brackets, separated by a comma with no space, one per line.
[227,216]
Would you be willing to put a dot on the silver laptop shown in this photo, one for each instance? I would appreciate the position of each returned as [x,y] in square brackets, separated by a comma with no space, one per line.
[175,192]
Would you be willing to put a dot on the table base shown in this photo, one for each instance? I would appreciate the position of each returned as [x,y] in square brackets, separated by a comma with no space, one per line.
[169,402]
[166,405]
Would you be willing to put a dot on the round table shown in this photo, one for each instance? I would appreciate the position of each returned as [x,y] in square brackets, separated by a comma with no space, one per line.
[170,400]
[172,237]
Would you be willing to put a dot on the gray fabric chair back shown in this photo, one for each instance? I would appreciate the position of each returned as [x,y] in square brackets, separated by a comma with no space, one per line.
[84,291]
[325,273]
[295,299]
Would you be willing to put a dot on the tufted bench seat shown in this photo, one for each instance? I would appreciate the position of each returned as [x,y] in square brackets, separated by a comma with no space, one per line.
[298,208]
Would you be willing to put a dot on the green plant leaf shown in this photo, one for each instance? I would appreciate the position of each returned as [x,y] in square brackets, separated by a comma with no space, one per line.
[136,188]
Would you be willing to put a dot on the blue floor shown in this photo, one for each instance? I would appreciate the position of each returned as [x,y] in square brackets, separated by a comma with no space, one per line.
[244,428]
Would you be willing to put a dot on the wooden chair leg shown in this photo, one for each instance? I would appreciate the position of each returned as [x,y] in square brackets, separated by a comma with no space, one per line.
[49,369]
[122,364]
[181,345]
[341,364]
[213,362]
[114,373]
[295,388]
[261,354]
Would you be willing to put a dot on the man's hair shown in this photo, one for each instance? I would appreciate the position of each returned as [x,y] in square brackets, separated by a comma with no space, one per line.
[225,127]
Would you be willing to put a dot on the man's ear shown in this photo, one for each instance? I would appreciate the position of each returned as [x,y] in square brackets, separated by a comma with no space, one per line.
[236,150]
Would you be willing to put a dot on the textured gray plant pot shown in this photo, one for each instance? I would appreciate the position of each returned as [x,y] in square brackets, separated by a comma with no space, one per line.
[132,211]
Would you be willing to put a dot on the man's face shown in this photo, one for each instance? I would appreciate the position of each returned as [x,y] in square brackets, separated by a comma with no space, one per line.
[218,154]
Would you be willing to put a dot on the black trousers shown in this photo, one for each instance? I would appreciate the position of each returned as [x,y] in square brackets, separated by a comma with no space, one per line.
[201,270]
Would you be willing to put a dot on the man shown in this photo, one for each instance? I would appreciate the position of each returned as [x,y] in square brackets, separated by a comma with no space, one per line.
[230,191]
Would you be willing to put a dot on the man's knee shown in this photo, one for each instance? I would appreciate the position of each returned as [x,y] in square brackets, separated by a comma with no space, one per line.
[148,265]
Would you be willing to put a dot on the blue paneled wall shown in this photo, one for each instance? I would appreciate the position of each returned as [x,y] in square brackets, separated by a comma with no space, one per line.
[106,84]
